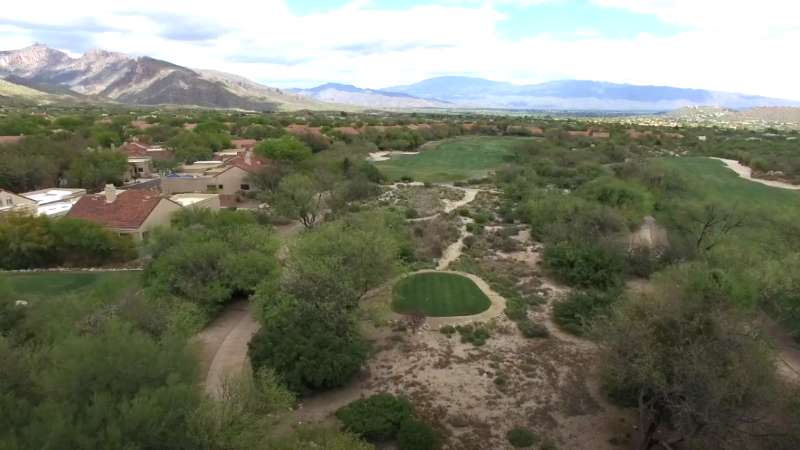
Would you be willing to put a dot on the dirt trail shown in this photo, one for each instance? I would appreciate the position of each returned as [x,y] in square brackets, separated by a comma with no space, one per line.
[223,346]
[747,173]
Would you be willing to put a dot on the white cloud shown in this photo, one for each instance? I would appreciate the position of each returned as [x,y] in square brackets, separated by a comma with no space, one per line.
[371,47]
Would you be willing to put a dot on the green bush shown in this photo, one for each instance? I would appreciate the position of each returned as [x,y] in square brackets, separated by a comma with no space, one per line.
[311,349]
[585,264]
[530,329]
[581,307]
[417,435]
[447,330]
[476,335]
[411,213]
[376,418]
[521,438]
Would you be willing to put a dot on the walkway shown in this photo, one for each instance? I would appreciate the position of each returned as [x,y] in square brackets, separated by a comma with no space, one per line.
[223,346]
[747,173]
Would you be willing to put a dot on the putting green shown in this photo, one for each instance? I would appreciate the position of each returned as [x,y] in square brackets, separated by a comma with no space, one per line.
[438,295]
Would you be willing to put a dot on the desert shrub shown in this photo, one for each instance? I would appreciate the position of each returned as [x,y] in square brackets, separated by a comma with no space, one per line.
[585,264]
[407,179]
[632,199]
[576,311]
[474,228]
[376,418]
[310,347]
[521,437]
[531,329]
[417,435]
[411,213]
[516,309]
[476,335]
[447,330]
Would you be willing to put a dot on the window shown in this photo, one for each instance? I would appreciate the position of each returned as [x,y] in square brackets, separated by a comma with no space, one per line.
[244,187]
[140,169]
[221,187]
[9,201]
[211,188]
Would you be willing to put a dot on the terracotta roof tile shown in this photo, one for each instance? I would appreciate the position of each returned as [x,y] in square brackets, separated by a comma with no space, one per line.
[130,209]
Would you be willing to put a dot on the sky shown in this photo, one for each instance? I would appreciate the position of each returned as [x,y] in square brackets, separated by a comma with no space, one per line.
[728,45]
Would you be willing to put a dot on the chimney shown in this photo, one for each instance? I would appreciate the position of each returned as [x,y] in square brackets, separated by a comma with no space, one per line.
[248,158]
[111,193]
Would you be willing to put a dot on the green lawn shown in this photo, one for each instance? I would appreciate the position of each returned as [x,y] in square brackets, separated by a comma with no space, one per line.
[452,160]
[47,285]
[710,179]
[438,295]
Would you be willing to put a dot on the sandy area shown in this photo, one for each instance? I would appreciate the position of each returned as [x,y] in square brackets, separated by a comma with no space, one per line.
[386,155]
[747,173]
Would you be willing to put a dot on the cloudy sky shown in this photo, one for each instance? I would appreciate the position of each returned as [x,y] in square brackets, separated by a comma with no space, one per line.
[733,45]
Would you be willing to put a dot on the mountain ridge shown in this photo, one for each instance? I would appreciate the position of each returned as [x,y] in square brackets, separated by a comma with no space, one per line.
[140,80]
[576,94]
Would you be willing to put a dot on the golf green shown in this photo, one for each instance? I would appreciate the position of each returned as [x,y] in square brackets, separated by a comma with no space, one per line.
[438,295]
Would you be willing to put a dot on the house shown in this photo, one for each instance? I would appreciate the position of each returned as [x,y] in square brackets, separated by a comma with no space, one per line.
[244,144]
[193,200]
[139,167]
[11,202]
[10,139]
[139,150]
[133,213]
[217,177]
[54,202]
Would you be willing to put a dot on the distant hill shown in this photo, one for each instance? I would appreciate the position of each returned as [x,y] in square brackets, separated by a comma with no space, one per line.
[576,95]
[143,81]
[347,94]
[764,114]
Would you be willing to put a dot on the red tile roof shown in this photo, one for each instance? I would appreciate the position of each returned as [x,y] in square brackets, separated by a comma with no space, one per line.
[133,149]
[251,164]
[10,139]
[130,209]
[244,143]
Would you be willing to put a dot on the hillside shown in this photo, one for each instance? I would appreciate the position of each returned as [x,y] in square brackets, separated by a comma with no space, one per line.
[576,95]
[140,80]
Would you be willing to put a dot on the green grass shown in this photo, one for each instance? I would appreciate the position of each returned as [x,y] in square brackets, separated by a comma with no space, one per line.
[710,179]
[438,295]
[47,285]
[452,160]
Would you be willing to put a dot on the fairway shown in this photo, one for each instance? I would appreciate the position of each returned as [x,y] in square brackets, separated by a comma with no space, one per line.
[46,285]
[711,180]
[452,160]
[438,295]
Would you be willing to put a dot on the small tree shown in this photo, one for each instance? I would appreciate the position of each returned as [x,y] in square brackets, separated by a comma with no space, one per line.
[285,149]
[691,364]
[298,198]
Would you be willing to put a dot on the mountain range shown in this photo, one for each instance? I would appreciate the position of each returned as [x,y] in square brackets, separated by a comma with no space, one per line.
[102,75]
[42,73]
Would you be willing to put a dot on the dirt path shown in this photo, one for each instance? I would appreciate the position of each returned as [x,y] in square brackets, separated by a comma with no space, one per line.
[223,346]
[747,173]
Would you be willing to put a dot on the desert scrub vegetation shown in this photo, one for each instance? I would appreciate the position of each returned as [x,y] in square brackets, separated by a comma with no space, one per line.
[521,437]
[385,417]
[576,312]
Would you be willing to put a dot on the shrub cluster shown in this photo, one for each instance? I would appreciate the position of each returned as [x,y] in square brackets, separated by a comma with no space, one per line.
[384,417]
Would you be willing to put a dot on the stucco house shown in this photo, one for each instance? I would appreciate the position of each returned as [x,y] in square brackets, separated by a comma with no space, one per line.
[11,202]
[216,177]
[131,212]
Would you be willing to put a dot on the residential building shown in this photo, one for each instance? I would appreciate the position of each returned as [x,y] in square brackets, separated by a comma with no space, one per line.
[133,213]
[10,139]
[55,202]
[139,167]
[195,200]
[216,177]
[11,202]
[139,150]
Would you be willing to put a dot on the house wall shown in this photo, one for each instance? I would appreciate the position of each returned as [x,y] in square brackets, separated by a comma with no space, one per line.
[176,185]
[159,217]
[10,201]
[232,180]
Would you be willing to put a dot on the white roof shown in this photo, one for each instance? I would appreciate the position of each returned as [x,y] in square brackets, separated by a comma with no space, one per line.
[191,199]
[139,160]
[50,195]
[54,209]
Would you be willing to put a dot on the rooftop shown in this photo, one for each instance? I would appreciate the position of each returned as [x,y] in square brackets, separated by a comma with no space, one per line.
[128,210]
[45,196]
